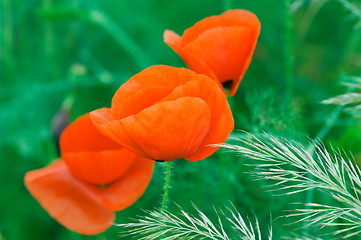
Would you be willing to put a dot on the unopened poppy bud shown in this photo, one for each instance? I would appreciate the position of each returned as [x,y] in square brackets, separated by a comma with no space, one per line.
[59,122]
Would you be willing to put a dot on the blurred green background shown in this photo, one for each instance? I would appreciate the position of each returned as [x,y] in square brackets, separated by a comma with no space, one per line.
[51,48]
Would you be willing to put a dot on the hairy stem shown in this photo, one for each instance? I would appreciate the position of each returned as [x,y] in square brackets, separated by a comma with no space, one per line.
[166,186]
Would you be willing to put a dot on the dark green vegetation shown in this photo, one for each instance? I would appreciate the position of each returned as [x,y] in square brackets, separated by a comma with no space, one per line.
[49,49]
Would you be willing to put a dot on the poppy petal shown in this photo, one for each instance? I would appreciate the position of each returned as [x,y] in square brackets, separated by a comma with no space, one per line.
[100,167]
[193,62]
[206,24]
[224,50]
[82,136]
[164,131]
[158,75]
[206,50]
[245,18]
[130,187]
[69,201]
[138,101]
[91,156]
[102,119]
[221,116]
[173,40]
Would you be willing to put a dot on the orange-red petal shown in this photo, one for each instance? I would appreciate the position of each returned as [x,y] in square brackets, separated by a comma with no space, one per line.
[230,18]
[221,124]
[157,75]
[206,24]
[100,167]
[173,40]
[245,18]
[224,50]
[72,203]
[192,61]
[217,46]
[82,136]
[138,101]
[164,131]
[91,156]
[130,187]
[103,120]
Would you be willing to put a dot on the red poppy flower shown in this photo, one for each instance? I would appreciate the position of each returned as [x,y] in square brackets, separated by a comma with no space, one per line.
[166,113]
[95,178]
[219,46]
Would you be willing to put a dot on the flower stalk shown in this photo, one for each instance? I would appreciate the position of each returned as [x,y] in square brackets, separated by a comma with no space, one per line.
[227,4]
[167,186]
[288,53]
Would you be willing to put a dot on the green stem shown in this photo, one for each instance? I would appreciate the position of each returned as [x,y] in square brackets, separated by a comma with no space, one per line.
[288,53]
[356,11]
[7,31]
[307,19]
[311,148]
[49,34]
[227,4]
[102,74]
[327,127]
[166,186]
[75,236]
[121,37]
[101,236]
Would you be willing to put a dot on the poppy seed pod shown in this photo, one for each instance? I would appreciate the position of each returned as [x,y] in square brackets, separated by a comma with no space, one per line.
[95,178]
[220,47]
[165,113]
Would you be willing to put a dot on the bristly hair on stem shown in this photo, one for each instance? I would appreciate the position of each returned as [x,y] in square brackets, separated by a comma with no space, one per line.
[167,185]
[168,226]
[296,170]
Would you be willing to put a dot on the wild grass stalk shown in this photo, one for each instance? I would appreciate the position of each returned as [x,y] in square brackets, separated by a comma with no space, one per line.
[7,31]
[307,19]
[49,38]
[121,37]
[169,226]
[288,52]
[227,4]
[296,170]
[329,124]
[351,7]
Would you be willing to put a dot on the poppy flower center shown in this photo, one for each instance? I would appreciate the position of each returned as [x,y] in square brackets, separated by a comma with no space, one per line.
[227,84]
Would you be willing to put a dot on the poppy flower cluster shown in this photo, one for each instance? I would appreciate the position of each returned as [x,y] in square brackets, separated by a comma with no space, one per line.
[162,113]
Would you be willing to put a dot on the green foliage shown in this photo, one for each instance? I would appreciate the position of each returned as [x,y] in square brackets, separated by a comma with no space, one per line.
[50,49]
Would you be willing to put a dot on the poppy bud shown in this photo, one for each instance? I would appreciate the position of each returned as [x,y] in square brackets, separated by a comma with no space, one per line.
[58,124]
[220,47]
[166,113]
